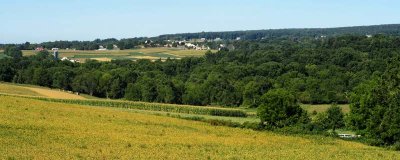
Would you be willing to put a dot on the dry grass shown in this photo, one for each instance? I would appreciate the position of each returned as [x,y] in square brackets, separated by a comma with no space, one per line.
[31,129]
[55,93]
[102,59]
[17,90]
[323,107]
[25,90]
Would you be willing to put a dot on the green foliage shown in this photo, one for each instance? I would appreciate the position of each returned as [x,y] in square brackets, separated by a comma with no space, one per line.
[253,91]
[6,70]
[110,46]
[42,55]
[333,118]
[87,82]
[321,71]
[62,78]
[279,108]
[376,105]
[13,52]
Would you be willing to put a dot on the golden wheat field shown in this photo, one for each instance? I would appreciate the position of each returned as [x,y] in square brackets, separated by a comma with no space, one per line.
[32,129]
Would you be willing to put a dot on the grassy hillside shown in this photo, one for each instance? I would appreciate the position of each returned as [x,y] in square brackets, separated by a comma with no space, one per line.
[32,129]
[147,53]
[17,90]
[147,108]
[27,90]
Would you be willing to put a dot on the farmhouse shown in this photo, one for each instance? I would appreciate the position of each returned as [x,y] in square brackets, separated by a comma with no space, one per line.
[115,47]
[71,60]
[101,48]
[39,49]
[190,45]
[203,47]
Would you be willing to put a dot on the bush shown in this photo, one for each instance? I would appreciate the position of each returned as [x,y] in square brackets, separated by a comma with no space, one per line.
[396,146]
[314,112]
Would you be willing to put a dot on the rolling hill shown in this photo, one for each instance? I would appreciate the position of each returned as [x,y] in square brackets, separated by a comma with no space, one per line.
[33,129]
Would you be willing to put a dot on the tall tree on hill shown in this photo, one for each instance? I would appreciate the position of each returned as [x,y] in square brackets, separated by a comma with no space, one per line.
[335,117]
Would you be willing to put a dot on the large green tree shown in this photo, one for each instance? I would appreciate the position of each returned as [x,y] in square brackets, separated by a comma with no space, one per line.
[334,117]
[279,108]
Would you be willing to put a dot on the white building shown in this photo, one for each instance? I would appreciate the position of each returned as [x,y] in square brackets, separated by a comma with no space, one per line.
[101,48]
[71,60]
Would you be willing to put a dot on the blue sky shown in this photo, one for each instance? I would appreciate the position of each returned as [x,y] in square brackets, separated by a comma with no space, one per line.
[49,20]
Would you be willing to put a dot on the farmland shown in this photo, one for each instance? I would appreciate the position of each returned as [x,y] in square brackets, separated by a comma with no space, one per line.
[33,129]
[135,54]
[145,108]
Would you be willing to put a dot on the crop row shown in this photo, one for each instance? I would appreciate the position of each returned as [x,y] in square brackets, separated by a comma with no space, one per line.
[153,107]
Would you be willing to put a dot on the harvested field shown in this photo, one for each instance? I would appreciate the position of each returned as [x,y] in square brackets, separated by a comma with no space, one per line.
[55,93]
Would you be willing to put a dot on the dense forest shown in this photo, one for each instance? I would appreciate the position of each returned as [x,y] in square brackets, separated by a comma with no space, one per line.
[317,71]
[272,75]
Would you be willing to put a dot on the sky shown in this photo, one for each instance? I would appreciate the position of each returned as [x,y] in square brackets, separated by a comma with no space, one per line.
[49,20]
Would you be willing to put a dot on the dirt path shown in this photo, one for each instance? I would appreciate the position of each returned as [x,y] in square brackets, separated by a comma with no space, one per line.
[55,94]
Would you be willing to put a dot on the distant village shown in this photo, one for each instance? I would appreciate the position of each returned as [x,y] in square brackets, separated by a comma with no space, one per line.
[192,44]
[201,44]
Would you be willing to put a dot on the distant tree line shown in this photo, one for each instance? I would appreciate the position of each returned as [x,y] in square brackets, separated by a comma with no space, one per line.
[392,29]
[225,37]
[82,45]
